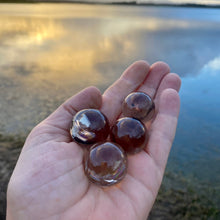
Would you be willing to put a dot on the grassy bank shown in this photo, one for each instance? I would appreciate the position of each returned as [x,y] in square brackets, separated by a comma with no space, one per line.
[10,148]
[178,200]
[183,203]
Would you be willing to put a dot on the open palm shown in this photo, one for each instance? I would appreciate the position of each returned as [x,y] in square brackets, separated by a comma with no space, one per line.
[49,182]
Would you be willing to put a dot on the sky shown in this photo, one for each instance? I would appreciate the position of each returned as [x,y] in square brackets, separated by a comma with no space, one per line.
[183,1]
[207,2]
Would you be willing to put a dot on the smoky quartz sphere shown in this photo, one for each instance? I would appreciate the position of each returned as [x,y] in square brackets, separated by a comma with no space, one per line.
[89,126]
[138,105]
[131,134]
[105,163]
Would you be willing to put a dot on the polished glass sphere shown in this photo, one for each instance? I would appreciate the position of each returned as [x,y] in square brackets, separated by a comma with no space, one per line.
[138,105]
[89,126]
[105,163]
[130,134]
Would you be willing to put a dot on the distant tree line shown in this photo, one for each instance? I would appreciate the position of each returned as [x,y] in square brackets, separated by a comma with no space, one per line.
[114,3]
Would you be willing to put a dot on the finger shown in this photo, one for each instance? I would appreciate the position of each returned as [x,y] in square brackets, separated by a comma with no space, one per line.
[57,125]
[172,81]
[87,98]
[127,83]
[164,127]
[157,71]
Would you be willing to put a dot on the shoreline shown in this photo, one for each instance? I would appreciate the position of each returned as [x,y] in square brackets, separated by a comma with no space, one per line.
[177,197]
[134,3]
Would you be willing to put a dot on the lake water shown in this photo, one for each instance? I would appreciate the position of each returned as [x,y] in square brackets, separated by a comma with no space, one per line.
[50,51]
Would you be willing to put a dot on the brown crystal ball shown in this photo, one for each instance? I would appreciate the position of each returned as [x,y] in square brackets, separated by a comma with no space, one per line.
[138,105]
[89,126]
[105,164]
[130,134]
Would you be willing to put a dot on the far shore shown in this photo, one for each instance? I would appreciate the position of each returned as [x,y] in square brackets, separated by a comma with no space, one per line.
[177,198]
[134,3]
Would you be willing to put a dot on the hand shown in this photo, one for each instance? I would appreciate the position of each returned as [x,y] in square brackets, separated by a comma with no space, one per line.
[49,181]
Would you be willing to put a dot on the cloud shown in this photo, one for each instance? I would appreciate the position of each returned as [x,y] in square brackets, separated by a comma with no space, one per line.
[212,67]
